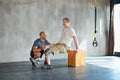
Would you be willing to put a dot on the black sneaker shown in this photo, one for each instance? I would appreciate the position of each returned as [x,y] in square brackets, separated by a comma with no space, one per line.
[50,67]
[45,63]
[46,66]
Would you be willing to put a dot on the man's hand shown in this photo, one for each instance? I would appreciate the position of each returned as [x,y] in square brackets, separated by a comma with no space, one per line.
[45,47]
[75,51]
[36,49]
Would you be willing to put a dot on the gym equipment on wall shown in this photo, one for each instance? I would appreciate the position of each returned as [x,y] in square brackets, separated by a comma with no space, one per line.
[95,43]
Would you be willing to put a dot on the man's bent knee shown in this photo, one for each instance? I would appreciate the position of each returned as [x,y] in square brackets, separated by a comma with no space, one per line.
[48,52]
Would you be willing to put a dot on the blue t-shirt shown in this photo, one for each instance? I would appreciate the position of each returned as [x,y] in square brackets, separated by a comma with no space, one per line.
[39,43]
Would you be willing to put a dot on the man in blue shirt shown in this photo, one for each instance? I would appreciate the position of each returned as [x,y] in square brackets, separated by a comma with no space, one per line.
[40,47]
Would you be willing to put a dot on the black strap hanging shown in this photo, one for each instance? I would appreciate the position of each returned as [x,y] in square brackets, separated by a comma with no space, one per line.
[95,43]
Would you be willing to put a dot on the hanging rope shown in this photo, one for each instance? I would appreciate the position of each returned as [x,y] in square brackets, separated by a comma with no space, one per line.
[95,43]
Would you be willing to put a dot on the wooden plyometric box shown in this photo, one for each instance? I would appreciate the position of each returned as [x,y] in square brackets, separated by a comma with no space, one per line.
[76,59]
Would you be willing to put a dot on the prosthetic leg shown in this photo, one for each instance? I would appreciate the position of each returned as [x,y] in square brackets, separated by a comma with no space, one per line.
[46,64]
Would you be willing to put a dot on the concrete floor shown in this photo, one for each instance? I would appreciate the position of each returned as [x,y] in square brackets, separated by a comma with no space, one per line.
[97,68]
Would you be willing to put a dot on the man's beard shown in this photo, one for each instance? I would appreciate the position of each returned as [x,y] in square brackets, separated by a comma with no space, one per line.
[44,38]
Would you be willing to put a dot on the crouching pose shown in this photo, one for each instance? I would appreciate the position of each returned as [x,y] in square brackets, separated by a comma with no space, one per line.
[40,47]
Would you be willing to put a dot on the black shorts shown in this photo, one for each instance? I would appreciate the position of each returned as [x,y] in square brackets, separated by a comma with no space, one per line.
[46,52]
